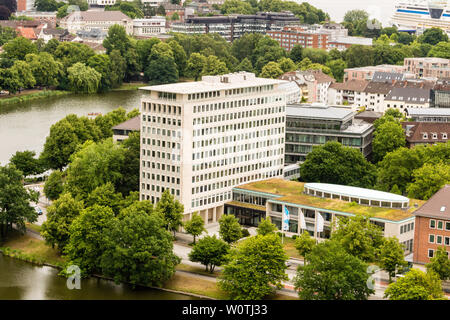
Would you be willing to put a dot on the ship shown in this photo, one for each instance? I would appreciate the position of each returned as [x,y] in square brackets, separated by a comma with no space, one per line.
[415,16]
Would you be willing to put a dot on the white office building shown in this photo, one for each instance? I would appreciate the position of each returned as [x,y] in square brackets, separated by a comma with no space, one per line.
[201,139]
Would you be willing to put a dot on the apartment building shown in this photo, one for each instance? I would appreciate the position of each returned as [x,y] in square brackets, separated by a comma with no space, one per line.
[440,95]
[367,73]
[149,27]
[201,139]
[401,98]
[308,203]
[101,20]
[291,36]
[349,92]
[428,67]
[432,226]
[311,125]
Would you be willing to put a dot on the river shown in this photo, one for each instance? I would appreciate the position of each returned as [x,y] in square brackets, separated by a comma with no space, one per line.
[24,126]
[21,280]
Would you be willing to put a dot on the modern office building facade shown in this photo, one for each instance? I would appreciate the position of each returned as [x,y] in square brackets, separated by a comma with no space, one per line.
[312,125]
[254,201]
[200,139]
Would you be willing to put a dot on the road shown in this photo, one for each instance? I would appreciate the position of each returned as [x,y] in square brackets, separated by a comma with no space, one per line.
[43,201]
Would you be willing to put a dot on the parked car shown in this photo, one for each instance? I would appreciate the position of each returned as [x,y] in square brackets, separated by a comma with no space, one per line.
[38,210]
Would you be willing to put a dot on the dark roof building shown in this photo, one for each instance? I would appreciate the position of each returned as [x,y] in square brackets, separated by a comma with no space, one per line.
[419,133]
[379,76]
[122,130]
[369,116]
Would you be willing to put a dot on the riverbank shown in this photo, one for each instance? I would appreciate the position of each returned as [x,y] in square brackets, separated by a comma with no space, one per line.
[30,95]
[187,279]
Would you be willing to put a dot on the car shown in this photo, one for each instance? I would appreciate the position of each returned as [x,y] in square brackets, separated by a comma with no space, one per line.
[38,210]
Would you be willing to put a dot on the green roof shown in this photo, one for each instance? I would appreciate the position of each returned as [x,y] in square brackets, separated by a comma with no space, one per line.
[292,192]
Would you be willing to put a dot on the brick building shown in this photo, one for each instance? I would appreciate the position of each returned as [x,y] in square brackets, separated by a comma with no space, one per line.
[432,226]
[419,133]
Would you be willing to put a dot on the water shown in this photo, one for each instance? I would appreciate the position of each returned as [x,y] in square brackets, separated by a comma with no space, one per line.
[381,10]
[21,280]
[24,126]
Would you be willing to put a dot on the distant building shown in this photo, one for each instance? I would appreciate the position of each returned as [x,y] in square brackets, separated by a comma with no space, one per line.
[440,95]
[432,226]
[293,92]
[149,27]
[309,202]
[291,36]
[401,98]
[313,84]
[429,114]
[234,26]
[349,92]
[426,133]
[310,125]
[428,67]
[343,43]
[47,34]
[41,16]
[122,130]
[369,116]
[367,73]
[95,19]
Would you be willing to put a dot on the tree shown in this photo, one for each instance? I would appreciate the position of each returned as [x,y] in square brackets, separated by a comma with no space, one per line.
[70,53]
[161,10]
[210,251]
[18,48]
[88,238]
[428,180]
[106,196]
[214,66]
[172,211]
[179,56]
[391,257]
[25,74]
[195,226]
[334,163]
[337,68]
[296,53]
[60,216]
[175,17]
[10,80]
[138,250]
[45,68]
[195,65]
[26,162]
[229,228]
[236,6]
[304,244]
[255,267]
[6,34]
[162,70]
[433,36]
[359,237]
[387,137]
[118,68]
[46,5]
[416,285]
[440,50]
[130,166]
[271,70]
[359,56]
[14,201]
[54,186]
[93,165]
[405,38]
[440,264]
[116,39]
[102,64]
[245,65]
[286,64]
[266,227]
[83,79]
[332,274]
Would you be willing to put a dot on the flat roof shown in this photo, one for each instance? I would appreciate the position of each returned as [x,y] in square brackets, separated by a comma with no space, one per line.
[204,86]
[292,192]
[318,112]
[429,111]
[356,192]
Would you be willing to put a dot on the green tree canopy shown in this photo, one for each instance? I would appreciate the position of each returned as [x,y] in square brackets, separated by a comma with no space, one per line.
[229,228]
[265,227]
[54,185]
[116,39]
[195,225]
[428,179]
[304,244]
[18,48]
[172,211]
[388,137]
[209,251]
[255,267]
[433,36]
[392,257]
[46,70]
[26,162]
[271,70]
[440,264]
[83,79]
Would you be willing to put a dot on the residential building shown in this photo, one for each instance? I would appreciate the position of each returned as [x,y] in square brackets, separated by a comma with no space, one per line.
[401,98]
[95,19]
[429,114]
[347,93]
[306,201]
[149,27]
[432,226]
[426,133]
[440,95]
[48,18]
[291,36]
[293,92]
[174,8]
[428,67]
[368,116]
[311,125]
[313,84]
[201,139]
[234,26]
[47,34]
[122,130]
[373,95]
[367,73]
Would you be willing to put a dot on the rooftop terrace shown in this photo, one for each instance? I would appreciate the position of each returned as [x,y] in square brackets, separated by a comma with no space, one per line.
[292,192]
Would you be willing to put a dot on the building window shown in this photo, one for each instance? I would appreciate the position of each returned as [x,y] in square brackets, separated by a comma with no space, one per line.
[447,226]
[440,225]
[431,238]
[438,239]
[432,224]
[430,253]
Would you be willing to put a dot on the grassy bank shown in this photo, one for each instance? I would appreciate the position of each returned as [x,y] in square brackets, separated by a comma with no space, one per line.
[27,248]
[131,86]
[32,96]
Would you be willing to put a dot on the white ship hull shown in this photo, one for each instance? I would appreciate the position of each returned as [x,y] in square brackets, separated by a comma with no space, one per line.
[418,15]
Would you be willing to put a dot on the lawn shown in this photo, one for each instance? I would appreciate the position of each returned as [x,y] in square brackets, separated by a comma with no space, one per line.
[289,247]
[197,270]
[27,248]
[192,284]
[33,227]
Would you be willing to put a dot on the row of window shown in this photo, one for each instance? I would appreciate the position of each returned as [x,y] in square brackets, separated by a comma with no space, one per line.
[236,138]
[161,132]
[162,120]
[246,90]
[199,202]
[162,144]
[407,228]
[235,104]
[438,239]
[162,178]
[162,155]
[161,108]
[148,164]
[237,115]
[439,225]
[203,95]
[431,253]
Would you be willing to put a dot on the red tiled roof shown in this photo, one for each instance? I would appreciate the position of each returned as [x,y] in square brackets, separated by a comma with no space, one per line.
[414,131]
[352,85]
[438,206]
[27,33]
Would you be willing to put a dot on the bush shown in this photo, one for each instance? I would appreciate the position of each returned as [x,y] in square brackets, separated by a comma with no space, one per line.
[294,237]
[245,233]
[280,234]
